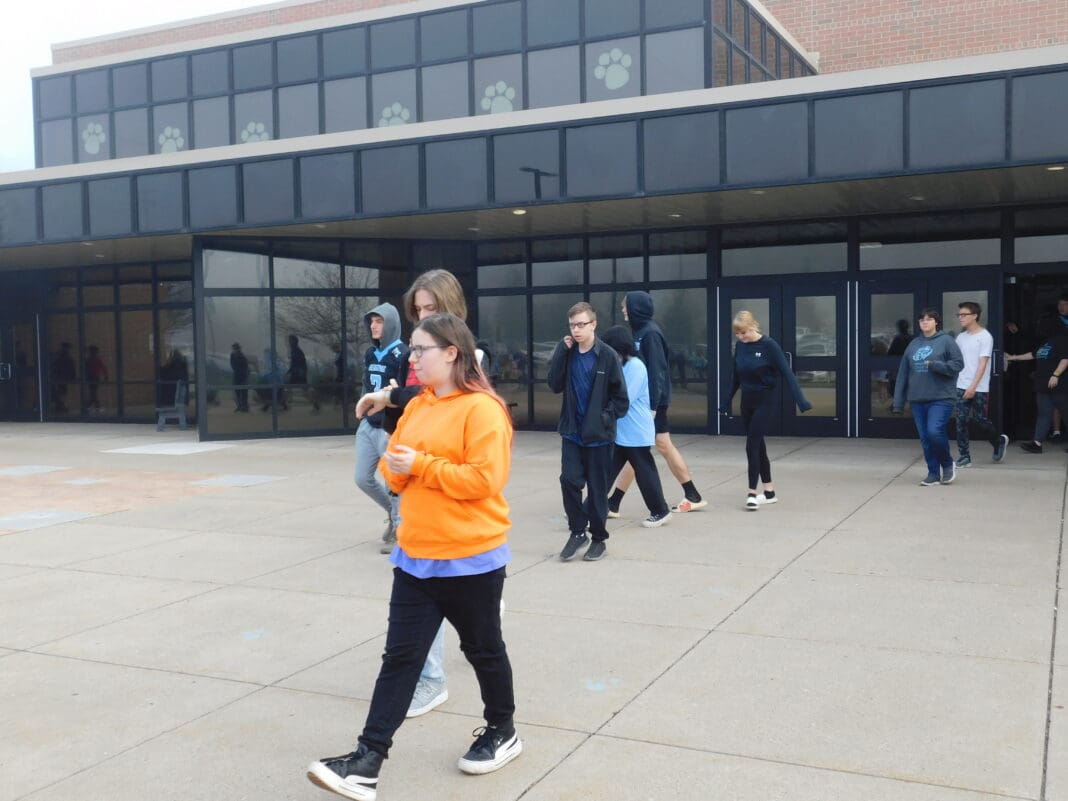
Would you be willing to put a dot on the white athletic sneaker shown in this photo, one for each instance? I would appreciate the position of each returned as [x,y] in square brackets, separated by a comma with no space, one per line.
[764,500]
[751,503]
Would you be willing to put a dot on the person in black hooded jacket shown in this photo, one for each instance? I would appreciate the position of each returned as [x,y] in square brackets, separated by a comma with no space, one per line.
[653,350]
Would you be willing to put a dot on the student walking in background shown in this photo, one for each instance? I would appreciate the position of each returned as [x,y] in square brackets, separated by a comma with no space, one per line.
[927,379]
[1051,360]
[973,386]
[759,367]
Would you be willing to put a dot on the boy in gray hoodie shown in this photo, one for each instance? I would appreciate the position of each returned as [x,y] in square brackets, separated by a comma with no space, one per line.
[384,360]
[927,379]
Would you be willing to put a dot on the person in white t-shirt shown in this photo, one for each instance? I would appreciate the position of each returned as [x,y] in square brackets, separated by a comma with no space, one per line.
[973,386]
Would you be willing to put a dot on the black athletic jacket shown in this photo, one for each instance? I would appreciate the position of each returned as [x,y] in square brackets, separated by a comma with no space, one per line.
[608,396]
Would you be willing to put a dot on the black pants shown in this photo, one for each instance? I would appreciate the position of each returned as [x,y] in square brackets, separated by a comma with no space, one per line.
[416,608]
[588,467]
[757,408]
[641,459]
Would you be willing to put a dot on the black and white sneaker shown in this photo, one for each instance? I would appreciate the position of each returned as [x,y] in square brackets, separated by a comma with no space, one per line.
[1001,447]
[751,503]
[574,542]
[493,748]
[353,776]
[656,521]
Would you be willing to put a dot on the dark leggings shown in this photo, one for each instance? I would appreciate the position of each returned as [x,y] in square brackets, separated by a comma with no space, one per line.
[757,409]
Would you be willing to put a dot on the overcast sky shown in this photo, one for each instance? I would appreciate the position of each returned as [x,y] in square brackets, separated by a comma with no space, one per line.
[27,44]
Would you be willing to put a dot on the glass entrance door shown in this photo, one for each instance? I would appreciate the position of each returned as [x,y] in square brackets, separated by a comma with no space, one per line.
[19,391]
[887,312]
[808,320]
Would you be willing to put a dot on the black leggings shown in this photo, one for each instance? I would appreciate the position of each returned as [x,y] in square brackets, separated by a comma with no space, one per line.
[757,409]
[641,459]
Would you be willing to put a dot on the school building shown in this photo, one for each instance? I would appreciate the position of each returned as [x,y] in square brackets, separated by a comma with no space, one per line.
[211,194]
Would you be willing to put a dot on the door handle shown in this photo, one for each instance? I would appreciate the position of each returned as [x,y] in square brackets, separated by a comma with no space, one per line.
[789,359]
[997,363]
[5,371]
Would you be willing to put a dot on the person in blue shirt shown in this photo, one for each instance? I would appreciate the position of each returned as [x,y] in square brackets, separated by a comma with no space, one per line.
[636,431]
[759,366]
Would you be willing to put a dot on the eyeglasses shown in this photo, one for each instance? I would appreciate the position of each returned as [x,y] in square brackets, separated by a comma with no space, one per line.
[966,314]
[417,351]
[580,324]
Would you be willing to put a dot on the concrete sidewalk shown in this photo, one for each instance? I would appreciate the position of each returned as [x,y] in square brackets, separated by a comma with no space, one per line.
[199,624]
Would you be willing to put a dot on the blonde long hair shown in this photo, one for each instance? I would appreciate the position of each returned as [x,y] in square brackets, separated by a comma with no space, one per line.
[444,287]
[745,321]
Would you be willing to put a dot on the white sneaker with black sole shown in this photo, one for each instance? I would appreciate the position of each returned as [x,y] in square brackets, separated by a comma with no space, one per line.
[493,748]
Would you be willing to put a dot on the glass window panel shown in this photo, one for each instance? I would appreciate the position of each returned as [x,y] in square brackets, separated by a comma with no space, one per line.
[721,61]
[1037,249]
[213,197]
[135,286]
[675,61]
[557,261]
[607,17]
[497,27]
[175,354]
[681,151]
[891,323]
[526,166]
[307,338]
[665,13]
[253,117]
[616,259]
[916,255]
[64,365]
[552,21]
[780,259]
[682,314]
[98,288]
[346,104]
[772,59]
[393,44]
[456,173]
[820,387]
[678,256]
[170,79]
[602,159]
[549,321]
[57,143]
[62,288]
[268,187]
[498,276]
[211,122]
[739,67]
[328,185]
[211,73]
[54,96]
[94,139]
[389,179]
[100,395]
[232,270]
[502,327]
[613,69]
[443,36]
[882,394]
[295,273]
[109,207]
[553,76]
[174,292]
[393,98]
[298,110]
[446,92]
[738,21]
[816,325]
[244,322]
[756,37]
[951,301]
[498,84]
[345,52]
[131,133]
[129,85]
[62,207]
[18,211]
[361,272]
[170,126]
[138,345]
[159,201]
[253,66]
[91,91]
[298,59]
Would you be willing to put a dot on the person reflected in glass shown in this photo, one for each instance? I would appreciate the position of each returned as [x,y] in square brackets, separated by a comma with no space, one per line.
[175,369]
[297,375]
[449,459]
[95,372]
[240,372]
[63,373]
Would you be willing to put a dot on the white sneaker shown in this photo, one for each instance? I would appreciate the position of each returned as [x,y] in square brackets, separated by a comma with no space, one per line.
[613,515]
[764,500]
[751,503]
[426,697]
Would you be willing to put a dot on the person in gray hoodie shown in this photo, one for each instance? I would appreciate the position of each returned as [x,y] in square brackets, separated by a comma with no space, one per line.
[927,379]
[384,361]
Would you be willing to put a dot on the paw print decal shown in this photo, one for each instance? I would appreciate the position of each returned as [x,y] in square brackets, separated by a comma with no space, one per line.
[498,98]
[171,141]
[613,68]
[394,115]
[255,132]
[93,137]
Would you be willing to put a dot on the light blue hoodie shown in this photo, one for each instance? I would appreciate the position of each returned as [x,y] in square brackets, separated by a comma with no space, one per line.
[635,429]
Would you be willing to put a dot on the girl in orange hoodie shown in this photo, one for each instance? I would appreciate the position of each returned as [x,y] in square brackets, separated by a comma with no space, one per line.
[449,459]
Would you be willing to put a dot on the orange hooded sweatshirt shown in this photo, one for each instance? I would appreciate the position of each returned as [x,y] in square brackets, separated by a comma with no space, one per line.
[452,504]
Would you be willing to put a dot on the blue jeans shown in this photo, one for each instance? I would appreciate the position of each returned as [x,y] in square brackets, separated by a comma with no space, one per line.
[433,668]
[371,443]
[932,418]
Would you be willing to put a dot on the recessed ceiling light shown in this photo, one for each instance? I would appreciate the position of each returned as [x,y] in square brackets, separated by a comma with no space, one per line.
[87,244]
[98,255]
[519,212]
[675,216]
[757,192]
[869,245]
[474,228]
[917,197]
[1056,168]
[321,226]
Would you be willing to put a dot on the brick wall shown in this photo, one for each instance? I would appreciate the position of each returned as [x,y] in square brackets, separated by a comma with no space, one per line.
[858,34]
[218,27]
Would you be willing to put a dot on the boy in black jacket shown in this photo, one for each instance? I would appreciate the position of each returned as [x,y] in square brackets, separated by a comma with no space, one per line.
[589,375]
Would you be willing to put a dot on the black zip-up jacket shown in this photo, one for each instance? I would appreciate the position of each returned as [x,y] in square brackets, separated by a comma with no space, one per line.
[652,347]
[608,396]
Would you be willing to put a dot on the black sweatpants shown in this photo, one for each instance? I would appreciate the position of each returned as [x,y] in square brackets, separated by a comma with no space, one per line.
[757,409]
[641,459]
[586,466]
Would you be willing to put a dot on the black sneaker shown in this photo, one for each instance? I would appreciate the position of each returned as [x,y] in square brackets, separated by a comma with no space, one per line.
[931,480]
[1031,446]
[493,748]
[596,551]
[1001,447]
[353,776]
[575,542]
